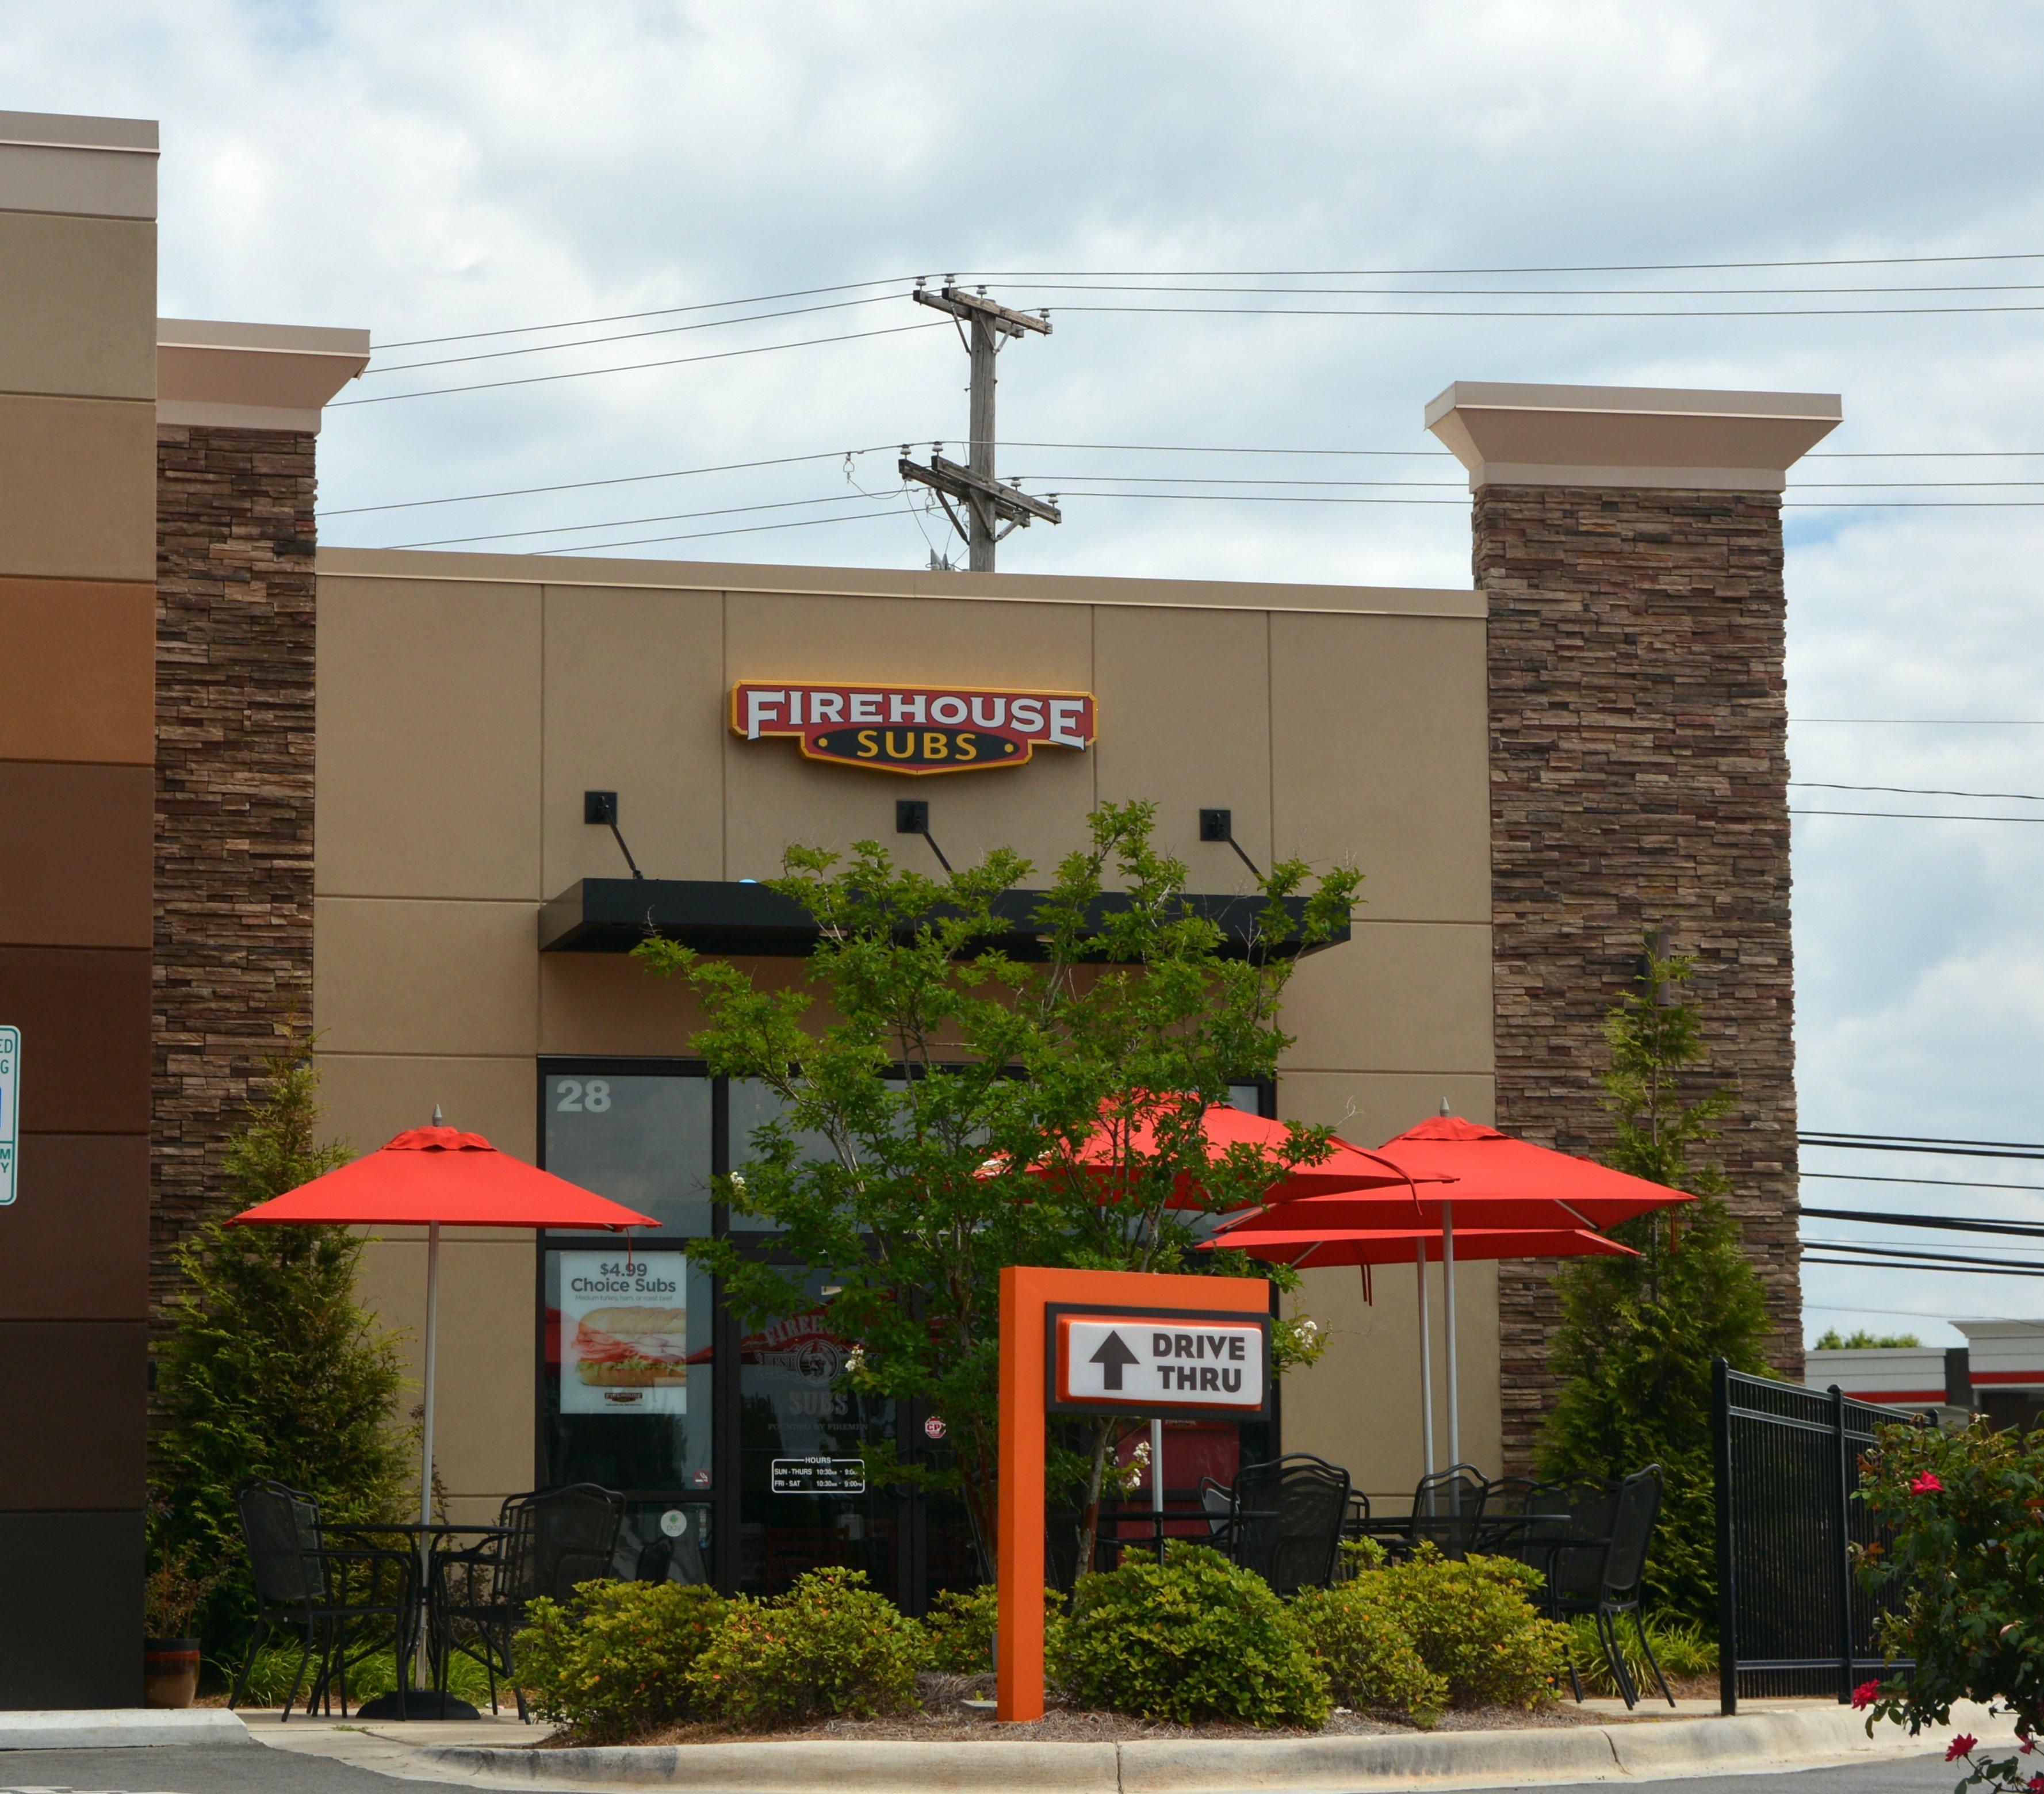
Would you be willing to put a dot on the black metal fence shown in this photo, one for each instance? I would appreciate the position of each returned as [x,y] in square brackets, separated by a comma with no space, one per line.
[1793,1619]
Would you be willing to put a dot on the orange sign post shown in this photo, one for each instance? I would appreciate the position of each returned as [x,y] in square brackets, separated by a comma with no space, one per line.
[1153,1357]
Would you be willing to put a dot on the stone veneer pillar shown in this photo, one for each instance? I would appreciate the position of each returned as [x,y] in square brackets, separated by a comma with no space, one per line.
[237,416]
[1629,544]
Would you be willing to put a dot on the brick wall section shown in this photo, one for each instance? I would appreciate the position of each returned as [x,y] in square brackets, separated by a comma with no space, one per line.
[1638,762]
[234,796]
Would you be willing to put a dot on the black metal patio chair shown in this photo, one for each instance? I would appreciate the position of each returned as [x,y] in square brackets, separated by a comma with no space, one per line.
[1284,1520]
[342,1598]
[1448,1509]
[1605,1577]
[545,1544]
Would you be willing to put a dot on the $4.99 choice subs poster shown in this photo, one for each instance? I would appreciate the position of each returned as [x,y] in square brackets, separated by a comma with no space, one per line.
[624,1333]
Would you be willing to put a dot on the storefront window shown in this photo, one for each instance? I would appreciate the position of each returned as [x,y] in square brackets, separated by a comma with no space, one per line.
[645,1141]
[628,1383]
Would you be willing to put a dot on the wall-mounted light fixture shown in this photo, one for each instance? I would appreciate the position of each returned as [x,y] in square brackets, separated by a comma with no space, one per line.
[599,809]
[1219,825]
[911,817]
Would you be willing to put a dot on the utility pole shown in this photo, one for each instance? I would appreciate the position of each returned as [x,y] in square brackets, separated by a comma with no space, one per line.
[991,509]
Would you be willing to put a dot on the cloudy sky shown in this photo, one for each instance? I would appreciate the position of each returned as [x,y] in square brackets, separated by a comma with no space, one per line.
[437,171]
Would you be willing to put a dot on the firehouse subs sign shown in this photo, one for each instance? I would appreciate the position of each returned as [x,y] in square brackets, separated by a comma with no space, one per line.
[913,729]
[1186,1364]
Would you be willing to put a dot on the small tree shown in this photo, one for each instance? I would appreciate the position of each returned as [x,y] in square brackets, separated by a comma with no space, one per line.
[1638,1334]
[273,1370]
[954,1089]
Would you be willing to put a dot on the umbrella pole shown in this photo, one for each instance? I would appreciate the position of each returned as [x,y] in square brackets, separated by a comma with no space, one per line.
[1426,1362]
[426,1431]
[1448,1321]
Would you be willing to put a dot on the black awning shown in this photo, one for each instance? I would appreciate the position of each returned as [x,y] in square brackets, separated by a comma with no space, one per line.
[614,915]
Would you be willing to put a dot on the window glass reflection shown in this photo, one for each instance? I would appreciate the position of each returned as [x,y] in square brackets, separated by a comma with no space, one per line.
[641,1140]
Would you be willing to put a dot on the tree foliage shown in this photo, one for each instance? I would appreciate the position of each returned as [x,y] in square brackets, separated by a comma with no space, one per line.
[1637,1335]
[273,1371]
[936,1095]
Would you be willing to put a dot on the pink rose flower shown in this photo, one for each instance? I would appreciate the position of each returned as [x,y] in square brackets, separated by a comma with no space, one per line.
[1927,1484]
[1865,1695]
[1962,1746]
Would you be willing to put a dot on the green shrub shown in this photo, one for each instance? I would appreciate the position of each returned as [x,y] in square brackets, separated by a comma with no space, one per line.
[273,1369]
[1193,1637]
[1358,1635]
[1680,1646]
[1474,1626]
[961,1626]
[615,1661]
[831,1647]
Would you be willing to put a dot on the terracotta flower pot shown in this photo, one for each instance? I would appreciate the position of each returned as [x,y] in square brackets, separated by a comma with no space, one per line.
[169,1672]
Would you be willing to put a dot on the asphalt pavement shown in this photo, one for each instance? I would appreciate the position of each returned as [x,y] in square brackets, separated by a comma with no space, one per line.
[197,1769]
[255,1769]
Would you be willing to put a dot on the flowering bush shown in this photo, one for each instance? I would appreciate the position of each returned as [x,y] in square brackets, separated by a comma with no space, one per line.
[831,1647]
[1358,1636]
[1965,1513]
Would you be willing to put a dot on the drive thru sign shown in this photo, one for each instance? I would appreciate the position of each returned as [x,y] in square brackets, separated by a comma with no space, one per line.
[1104,1329]
[1177,1364]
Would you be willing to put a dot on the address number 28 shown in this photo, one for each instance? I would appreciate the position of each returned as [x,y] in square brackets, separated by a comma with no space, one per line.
[581,1097]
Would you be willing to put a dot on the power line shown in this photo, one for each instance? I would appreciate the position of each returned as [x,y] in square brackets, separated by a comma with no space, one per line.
[630,336]
[1915,815]
[621,479]
[1932,722]
[1444,311]
[1913,790]
[1865,1249]
[626,317]
[623,522]
[693,535]
[1586,267]
[1934,1144]
[1954,1269]
[634,367]
[2023,1230]
[1531,292]
[1934,1183]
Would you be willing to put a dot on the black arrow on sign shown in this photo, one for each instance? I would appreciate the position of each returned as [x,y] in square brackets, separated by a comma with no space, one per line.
[1112,1355]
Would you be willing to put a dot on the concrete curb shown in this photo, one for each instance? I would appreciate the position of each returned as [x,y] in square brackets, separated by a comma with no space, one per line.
[1664,1749]
[120,1728]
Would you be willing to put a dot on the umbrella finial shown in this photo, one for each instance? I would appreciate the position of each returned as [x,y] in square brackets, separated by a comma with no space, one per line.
[1445,1109]
[438,1122]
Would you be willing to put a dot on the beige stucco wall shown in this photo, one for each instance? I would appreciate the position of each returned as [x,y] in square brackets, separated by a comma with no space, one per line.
[467,701]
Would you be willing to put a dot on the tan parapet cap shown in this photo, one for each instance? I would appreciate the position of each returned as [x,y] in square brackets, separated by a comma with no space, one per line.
[252,376]
[1508,434]
[91,168]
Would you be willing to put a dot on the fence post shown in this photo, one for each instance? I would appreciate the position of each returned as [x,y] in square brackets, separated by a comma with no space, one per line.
[1727,1601]
[1846,1642]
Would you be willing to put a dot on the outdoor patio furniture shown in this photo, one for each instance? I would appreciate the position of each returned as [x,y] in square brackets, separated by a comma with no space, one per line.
[1284,1520]
[543,1544]
[342,1598]
[1600,1568]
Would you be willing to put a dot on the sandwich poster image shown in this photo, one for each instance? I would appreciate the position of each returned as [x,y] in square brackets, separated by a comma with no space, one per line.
[624,1333]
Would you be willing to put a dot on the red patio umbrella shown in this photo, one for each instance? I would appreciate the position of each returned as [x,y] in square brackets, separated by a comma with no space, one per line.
[1102,1154]
[434,1177]
[1262,1235]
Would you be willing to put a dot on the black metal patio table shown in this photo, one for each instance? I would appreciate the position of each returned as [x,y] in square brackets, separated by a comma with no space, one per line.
[430,1538]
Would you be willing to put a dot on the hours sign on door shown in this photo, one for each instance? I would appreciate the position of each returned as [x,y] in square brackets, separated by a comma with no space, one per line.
[1180,1363]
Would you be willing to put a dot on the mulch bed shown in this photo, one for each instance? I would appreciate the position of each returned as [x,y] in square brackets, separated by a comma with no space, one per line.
[944,1719]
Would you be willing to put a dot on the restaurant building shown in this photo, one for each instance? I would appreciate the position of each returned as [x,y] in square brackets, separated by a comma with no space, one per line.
[248,784]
